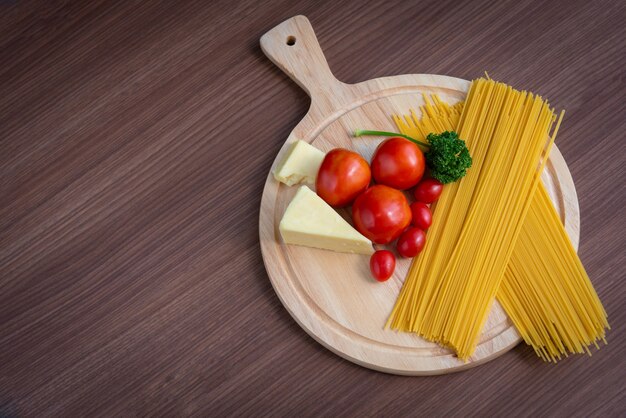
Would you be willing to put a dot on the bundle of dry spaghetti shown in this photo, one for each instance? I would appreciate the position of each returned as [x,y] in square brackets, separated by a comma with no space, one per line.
[473,253]
[546,291]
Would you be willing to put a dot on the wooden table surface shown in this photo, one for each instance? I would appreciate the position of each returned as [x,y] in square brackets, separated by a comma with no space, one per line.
[135,138]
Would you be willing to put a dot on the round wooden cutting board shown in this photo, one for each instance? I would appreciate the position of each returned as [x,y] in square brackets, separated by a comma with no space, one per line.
[332,295]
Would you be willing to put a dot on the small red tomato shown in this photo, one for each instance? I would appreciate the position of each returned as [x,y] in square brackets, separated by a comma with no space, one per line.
[422,216]
[342,176]
[411,242]
[382,265]
[428,190]
[398,163]
[381,213]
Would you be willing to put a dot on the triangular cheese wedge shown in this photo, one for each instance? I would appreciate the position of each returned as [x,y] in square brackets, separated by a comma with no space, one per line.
[311,222]
[300,165]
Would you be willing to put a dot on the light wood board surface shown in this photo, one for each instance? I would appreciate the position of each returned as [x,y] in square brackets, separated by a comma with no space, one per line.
[331,295]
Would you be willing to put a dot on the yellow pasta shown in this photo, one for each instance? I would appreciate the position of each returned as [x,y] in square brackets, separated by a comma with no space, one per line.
[545,292]
[550,300]
[458,278]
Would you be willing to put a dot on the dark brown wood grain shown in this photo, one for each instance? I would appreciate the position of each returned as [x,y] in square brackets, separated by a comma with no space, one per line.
[135,138]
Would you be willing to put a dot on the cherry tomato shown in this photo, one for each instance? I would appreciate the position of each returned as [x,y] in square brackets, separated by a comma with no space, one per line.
[428,190]
[382,265]
[381,213]
[422,216]
[411,242]
[342,176]
[398,163]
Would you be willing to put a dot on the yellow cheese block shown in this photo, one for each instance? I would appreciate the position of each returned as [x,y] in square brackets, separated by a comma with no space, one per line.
[311,222]
[300,165]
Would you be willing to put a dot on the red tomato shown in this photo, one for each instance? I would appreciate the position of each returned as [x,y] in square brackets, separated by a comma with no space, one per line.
[381,213]
[342,176]
[382,265]
[411,242]
[422,216]
[428,190]
[398,163]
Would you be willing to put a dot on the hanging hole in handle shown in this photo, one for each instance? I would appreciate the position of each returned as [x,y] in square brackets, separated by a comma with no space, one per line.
[291,40]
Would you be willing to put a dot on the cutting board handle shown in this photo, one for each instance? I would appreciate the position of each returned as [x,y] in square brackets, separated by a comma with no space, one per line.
[293,47]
